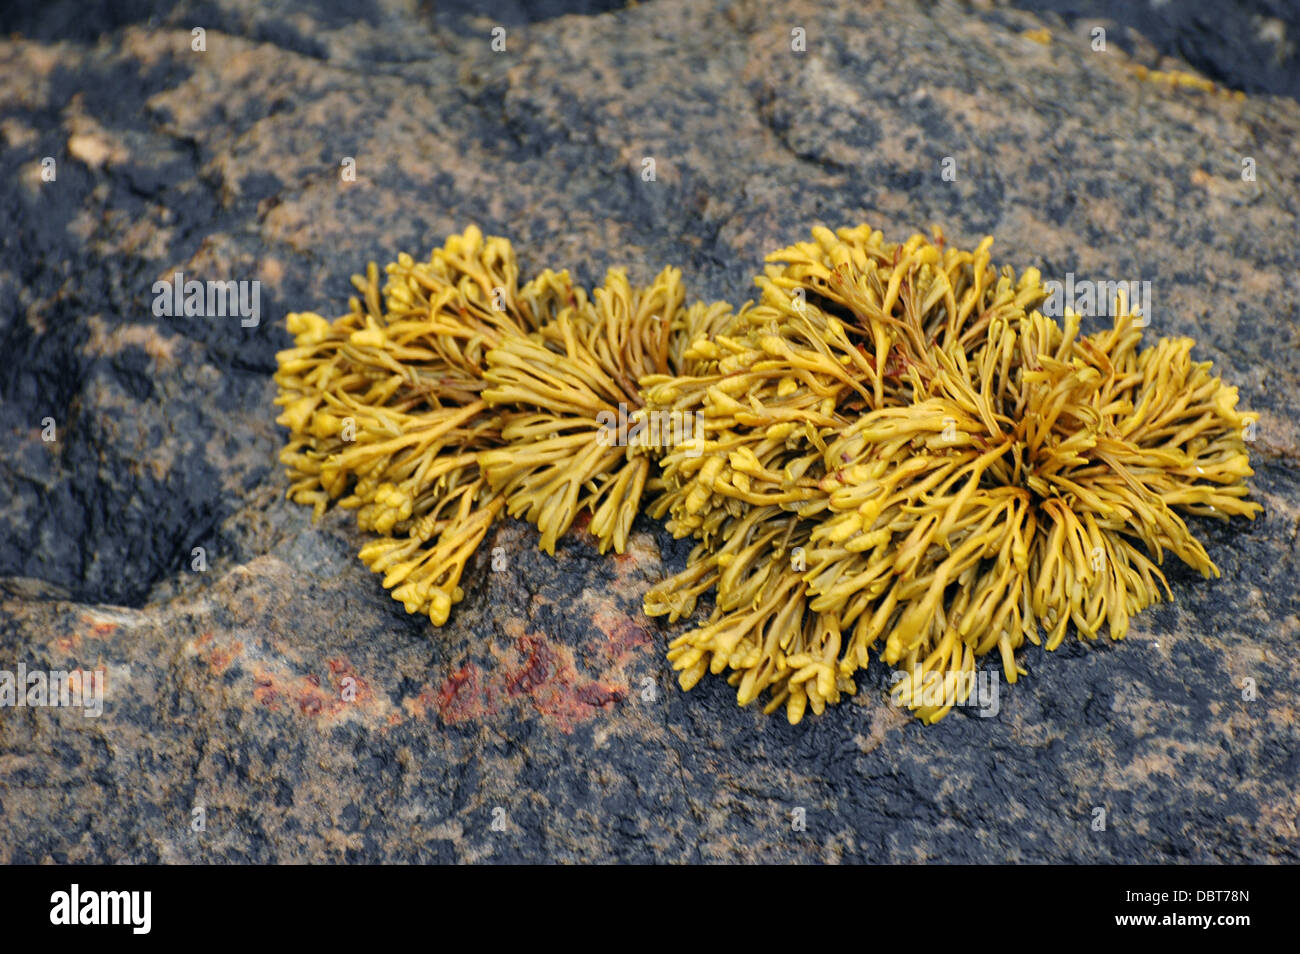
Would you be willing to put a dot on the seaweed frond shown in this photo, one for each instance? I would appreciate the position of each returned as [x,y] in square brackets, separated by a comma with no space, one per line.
[582,439]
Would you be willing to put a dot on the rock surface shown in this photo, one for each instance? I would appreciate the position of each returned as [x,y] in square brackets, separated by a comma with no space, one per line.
[286,695]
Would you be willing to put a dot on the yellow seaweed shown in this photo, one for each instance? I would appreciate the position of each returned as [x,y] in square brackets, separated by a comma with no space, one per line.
[892,451]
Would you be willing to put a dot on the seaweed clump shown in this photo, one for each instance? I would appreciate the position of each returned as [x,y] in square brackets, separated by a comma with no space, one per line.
[902,455]
[386,414]
[453,393]
[895,452]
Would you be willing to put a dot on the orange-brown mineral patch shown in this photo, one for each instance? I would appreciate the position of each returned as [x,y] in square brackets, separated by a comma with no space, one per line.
[220,658]
[624,639]
[315,697]
[463,696]
[71,642]
[533,671]
[217,654]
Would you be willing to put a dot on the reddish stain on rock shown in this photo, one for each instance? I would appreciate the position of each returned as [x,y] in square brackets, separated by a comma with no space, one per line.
[264,693]
[308,695]
[535,672]
[72,642]
[101,630]
[539,664]
[463,696]
[598,696]
[221,657]
[624,639]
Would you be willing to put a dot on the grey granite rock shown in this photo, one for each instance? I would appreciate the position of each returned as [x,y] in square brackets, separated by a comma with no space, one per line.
[286,695]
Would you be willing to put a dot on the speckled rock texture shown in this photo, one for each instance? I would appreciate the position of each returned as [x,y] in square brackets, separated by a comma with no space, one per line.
[282,692]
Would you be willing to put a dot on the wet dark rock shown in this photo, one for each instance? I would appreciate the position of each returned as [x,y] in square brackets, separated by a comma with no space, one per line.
[1249,46]
[283,693]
